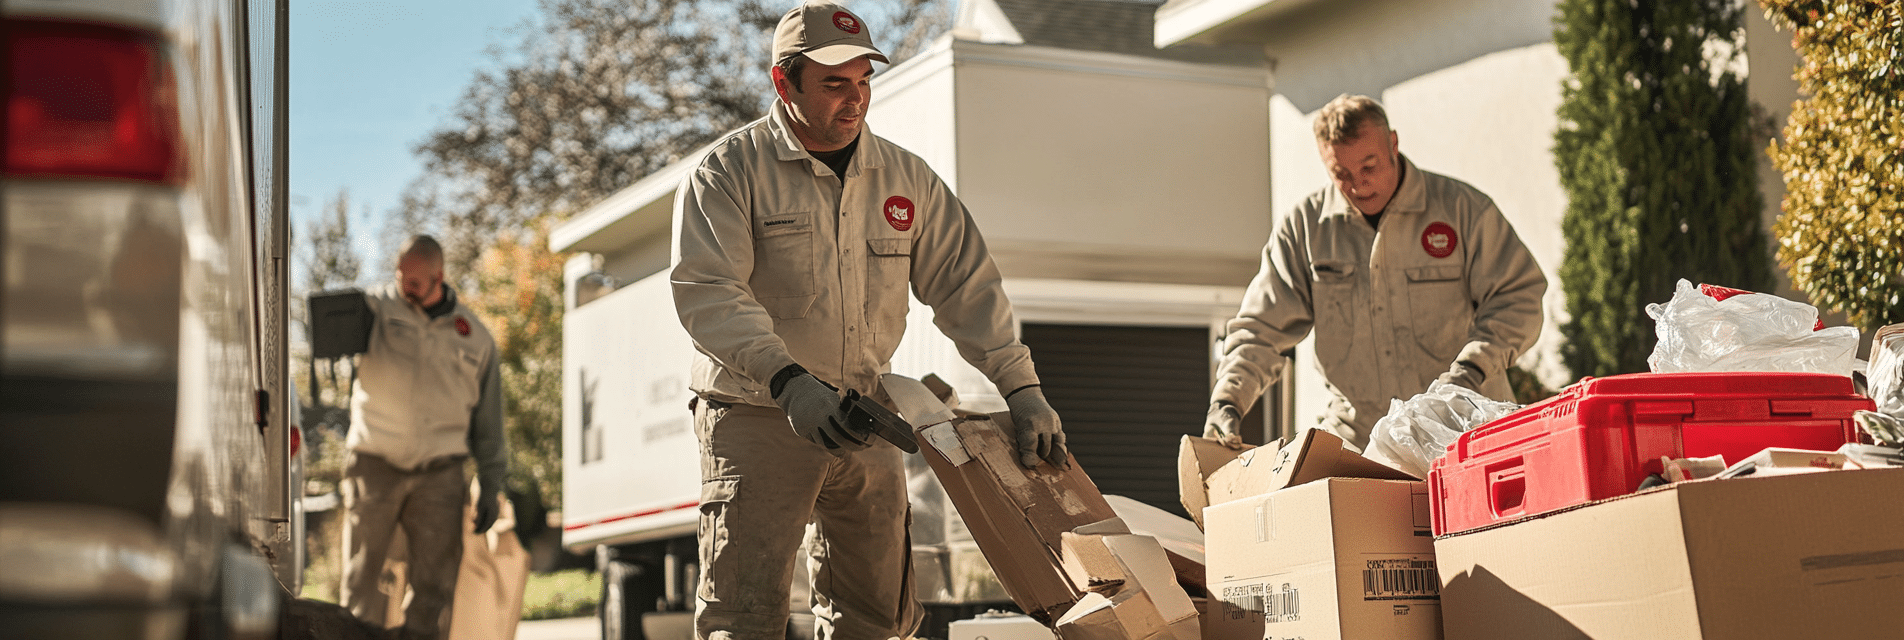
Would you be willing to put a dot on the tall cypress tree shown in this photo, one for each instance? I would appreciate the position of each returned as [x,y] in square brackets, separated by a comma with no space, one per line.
[1656,150]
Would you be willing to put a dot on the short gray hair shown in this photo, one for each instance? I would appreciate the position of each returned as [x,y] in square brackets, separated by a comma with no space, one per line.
[1343,118]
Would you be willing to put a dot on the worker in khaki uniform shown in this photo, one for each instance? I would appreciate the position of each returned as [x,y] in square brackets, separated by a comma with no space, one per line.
[1406,277]
[428,395]
[799,236]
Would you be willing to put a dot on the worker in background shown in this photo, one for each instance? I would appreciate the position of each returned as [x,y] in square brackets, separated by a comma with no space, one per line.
[428,396]
[799,236]
[1405,275]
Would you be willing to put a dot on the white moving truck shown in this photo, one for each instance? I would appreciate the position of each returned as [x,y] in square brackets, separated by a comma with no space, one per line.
[1125,227]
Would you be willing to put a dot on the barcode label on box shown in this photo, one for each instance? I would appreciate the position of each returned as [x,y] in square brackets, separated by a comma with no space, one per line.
[1275,603]
[1400,579]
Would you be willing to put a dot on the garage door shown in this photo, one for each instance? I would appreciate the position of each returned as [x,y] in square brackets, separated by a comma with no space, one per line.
[1126,394]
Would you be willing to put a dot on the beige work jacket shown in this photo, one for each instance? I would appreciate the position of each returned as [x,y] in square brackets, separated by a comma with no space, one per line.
[1444,279]
[428,388]
[779,262]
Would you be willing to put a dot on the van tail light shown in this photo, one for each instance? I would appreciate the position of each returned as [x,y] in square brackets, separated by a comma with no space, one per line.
[89,100]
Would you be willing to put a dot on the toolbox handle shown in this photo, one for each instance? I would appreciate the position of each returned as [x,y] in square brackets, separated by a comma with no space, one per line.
[1507,488]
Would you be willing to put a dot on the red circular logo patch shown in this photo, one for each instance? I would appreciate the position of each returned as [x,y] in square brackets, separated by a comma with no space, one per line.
[846,22]
[899,212]
[462,327]
[1439,240]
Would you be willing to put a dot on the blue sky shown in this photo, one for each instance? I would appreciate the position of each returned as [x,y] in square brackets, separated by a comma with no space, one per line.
[369,78]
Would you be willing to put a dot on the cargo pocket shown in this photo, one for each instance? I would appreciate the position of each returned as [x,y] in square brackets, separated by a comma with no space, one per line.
[1438,304]
[717,572]
[888,275]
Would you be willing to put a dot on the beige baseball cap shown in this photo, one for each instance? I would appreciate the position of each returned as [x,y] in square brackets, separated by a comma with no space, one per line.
[826,32]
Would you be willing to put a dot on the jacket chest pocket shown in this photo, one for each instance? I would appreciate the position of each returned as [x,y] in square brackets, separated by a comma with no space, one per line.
[1438,303]
[1333,299]
[888,276]
[784,266]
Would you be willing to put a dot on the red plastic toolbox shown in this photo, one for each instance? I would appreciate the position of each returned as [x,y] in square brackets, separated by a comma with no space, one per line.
[1599,438]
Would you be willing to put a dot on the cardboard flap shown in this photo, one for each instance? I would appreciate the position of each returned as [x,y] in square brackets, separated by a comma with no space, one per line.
[1314,455]
[1318,454]
[1197,458]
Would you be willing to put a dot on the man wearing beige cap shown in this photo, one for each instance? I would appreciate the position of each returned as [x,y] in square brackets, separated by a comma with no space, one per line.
[799,236]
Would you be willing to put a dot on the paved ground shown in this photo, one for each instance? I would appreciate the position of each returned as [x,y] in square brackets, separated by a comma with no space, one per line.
[563,629]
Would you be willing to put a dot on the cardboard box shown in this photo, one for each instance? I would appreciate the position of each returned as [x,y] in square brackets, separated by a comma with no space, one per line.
[1214,625]
[1817,555]
[1340,558]
[1018,516]
[994,626]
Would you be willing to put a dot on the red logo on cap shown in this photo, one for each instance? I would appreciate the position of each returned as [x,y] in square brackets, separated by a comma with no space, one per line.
[899,212]
[846,22]
[462,327]
[1439,240]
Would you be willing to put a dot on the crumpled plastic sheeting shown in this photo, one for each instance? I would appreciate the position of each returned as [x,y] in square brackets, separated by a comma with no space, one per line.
[1885,382]
[1417,432]
[1751,332]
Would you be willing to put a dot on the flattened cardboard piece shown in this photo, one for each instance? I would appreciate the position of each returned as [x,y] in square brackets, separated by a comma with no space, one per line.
[1017,516]
[1812,555]
[1343,558]
[1197,458]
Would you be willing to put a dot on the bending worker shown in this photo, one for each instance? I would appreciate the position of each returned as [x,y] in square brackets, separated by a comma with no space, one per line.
[428,395]
[799,236]
[1406,276]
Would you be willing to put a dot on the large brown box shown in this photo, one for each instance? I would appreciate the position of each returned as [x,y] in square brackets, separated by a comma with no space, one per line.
[1332,559]
[1817,555]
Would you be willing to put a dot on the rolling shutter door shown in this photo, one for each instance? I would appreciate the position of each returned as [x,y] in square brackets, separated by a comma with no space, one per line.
[1126,395]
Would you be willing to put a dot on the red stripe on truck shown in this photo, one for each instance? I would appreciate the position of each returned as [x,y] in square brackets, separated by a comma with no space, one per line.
[637,514]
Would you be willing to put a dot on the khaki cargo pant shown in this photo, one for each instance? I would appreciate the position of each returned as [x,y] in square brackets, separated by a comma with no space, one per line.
[427,504]
[761,486]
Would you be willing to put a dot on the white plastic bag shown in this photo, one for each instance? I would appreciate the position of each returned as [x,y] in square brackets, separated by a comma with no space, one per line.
[1749,332]
[1417,432]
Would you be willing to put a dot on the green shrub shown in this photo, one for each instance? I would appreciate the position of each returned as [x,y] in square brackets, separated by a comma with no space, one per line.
[1841,234]
[562,594]
[1656,151]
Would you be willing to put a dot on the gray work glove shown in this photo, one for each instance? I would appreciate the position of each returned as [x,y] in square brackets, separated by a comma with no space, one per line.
[486,506]
[1224,423]
[1465,375]
[1040,434]
[813,409]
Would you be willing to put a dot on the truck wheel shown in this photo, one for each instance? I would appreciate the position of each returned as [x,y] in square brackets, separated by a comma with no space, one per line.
[628,590]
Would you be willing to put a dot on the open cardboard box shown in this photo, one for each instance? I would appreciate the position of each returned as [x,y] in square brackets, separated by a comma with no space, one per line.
[1209,473]
[1816,555]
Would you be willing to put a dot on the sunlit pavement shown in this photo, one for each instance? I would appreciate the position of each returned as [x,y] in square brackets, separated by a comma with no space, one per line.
[561,629]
